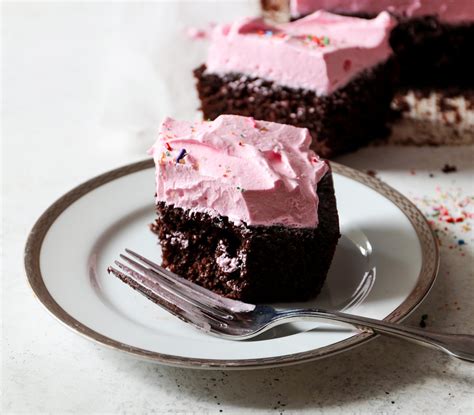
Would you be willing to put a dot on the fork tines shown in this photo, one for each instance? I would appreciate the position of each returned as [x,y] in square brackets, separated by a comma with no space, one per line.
[184,299]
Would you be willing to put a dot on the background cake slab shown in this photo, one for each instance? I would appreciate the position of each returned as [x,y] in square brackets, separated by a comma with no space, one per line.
[435,103]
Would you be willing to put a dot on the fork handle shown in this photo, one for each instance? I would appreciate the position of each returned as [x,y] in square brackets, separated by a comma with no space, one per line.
[456,345]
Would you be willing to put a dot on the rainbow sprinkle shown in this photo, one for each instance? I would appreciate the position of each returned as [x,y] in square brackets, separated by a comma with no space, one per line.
[312,40]
[306,39]
[182,154]
[449,213]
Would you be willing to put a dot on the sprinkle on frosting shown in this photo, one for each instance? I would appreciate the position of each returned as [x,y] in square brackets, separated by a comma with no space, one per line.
[305,39]
[269,179]
[182,154]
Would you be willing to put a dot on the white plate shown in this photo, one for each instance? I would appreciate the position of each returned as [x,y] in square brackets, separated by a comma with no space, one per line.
[385,263]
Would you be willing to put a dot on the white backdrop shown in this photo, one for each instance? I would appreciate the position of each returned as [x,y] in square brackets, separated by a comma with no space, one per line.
[148,69]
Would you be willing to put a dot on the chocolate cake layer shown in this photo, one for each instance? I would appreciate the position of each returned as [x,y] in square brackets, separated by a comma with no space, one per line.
[250,263]
[343,121]
[434,54]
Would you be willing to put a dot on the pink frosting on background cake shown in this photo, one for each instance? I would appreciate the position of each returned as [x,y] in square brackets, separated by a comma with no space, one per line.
[449,11]
[261,173]
[321,52]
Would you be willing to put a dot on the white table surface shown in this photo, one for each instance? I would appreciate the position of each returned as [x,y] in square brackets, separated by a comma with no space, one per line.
[53,139]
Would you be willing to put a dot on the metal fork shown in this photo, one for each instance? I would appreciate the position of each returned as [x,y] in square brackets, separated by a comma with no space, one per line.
[235,320]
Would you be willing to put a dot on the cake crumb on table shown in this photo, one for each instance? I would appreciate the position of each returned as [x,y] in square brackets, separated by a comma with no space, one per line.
[448,168]
[424,317]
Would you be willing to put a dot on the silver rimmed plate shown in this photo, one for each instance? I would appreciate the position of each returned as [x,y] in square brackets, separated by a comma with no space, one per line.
[385,264]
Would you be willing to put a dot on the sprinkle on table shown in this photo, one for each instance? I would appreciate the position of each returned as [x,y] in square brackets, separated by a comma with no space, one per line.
[450,214]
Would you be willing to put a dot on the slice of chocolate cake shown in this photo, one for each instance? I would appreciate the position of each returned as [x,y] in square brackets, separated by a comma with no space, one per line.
[245,208]
[328,73]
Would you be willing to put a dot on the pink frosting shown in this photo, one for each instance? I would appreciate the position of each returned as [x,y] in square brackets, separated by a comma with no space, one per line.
[449,11]
[321,52]
[257,172]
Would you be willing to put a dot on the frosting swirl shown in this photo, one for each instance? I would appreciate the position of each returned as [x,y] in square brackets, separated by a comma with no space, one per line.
[257,172]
